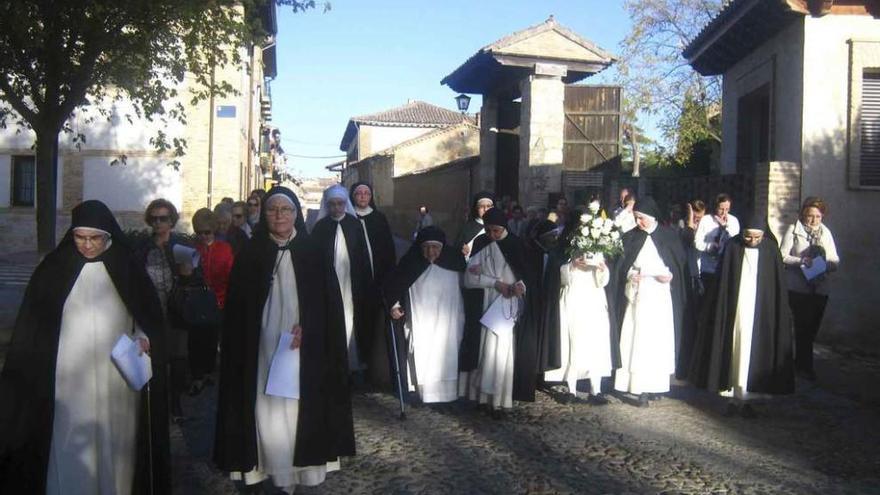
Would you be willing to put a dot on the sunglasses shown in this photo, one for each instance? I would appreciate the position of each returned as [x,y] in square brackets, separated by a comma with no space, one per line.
[160,218]
[205,232]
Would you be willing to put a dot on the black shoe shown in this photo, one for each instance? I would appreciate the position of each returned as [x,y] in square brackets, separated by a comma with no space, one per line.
[748,412]
[598,400]
[731,410]
[644,401]
[497,414]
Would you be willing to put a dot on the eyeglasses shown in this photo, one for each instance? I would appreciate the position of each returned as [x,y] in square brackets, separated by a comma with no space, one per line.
[283,210]
[89,239]
[253,204]
[160,218]
[205,232]
[238,215]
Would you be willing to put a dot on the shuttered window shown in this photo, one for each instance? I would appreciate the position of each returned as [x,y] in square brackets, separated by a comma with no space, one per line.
[869,127]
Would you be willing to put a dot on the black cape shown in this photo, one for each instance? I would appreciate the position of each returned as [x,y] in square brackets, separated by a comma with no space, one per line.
[771,365]
[671,252]
[27,384]
[544,305]
[525,372]
[325,429]
[363,295]
[396,290]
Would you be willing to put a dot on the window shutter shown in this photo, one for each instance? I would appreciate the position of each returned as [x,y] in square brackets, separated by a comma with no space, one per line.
[869,127]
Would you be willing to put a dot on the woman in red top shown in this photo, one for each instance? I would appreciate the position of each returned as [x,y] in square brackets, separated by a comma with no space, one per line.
[215,263]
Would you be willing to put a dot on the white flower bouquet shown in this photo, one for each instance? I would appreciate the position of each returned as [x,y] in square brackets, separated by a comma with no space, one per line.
[596,235]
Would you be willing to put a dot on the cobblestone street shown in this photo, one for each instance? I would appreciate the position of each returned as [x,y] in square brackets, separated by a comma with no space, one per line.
[813,442]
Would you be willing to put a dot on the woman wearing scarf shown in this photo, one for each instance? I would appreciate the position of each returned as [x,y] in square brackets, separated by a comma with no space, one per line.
[69,423]
[424,292]
[805,241]
[279,284]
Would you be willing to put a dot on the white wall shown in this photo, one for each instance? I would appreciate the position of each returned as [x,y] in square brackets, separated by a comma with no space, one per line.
[386,137]
[778,62]
[853,311]
[132,186]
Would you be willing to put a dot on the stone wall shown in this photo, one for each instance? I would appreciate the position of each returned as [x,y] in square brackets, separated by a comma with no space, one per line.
[444,190]
[778,193]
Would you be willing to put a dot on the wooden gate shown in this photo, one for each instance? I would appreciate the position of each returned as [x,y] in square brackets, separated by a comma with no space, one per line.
[592,128]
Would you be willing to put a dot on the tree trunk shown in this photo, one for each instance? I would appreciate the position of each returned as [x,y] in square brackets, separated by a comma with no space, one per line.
[47,187]
[634,142]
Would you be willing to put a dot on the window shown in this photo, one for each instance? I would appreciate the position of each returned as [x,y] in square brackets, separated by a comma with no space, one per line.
[869,128]
[23,180]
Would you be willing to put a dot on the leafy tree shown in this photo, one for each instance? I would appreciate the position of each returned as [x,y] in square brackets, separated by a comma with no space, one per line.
[60,56]
[658,80]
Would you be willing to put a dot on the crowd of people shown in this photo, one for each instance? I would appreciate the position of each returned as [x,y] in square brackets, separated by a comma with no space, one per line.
[506,309]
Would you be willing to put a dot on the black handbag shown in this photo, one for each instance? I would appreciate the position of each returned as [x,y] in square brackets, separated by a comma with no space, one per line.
[194,306]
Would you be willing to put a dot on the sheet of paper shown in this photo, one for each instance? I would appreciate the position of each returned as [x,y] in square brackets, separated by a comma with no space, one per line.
[818,267]
[501,316]
[135,368]
[284,371]
[184,254]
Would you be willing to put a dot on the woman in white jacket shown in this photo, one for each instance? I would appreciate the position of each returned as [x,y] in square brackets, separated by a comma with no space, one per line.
[806,242]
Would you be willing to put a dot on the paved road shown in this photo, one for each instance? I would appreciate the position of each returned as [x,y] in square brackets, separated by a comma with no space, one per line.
[814,442]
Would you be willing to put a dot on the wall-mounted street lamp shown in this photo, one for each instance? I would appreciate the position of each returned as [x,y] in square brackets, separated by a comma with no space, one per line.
[463,101]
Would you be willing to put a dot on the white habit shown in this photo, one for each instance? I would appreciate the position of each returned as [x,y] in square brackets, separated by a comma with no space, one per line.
[647,336]
[584,329]
[492,381]
[342,266]
[743,325]
[434,327]
[277,417]
[93,432]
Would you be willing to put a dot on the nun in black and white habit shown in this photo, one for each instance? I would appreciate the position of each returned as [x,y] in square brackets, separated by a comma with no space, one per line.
[382,258]
[341,241]
[507,366]
[279,284]
[69,423]
[649,294]
[425,291]
[751,349]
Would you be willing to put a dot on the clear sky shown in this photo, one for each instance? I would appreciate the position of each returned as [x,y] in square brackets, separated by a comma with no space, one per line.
[365,56]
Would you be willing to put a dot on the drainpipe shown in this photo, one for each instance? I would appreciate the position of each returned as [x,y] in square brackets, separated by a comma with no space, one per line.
[211,142]
[244,186]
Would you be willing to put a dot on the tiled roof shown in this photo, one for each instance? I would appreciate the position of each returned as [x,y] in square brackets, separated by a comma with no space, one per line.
[413,113]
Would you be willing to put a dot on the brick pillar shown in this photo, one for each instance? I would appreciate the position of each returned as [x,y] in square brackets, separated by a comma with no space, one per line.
[541,134]
[778,193]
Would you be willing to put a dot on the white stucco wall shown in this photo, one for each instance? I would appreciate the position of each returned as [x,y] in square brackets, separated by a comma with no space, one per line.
[778,62]
[853,311]
[132,186]
[375,138]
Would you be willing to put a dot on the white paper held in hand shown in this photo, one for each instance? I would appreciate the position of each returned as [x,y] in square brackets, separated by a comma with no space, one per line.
[185,255]
[501,316]
[284,371]
[135,367]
